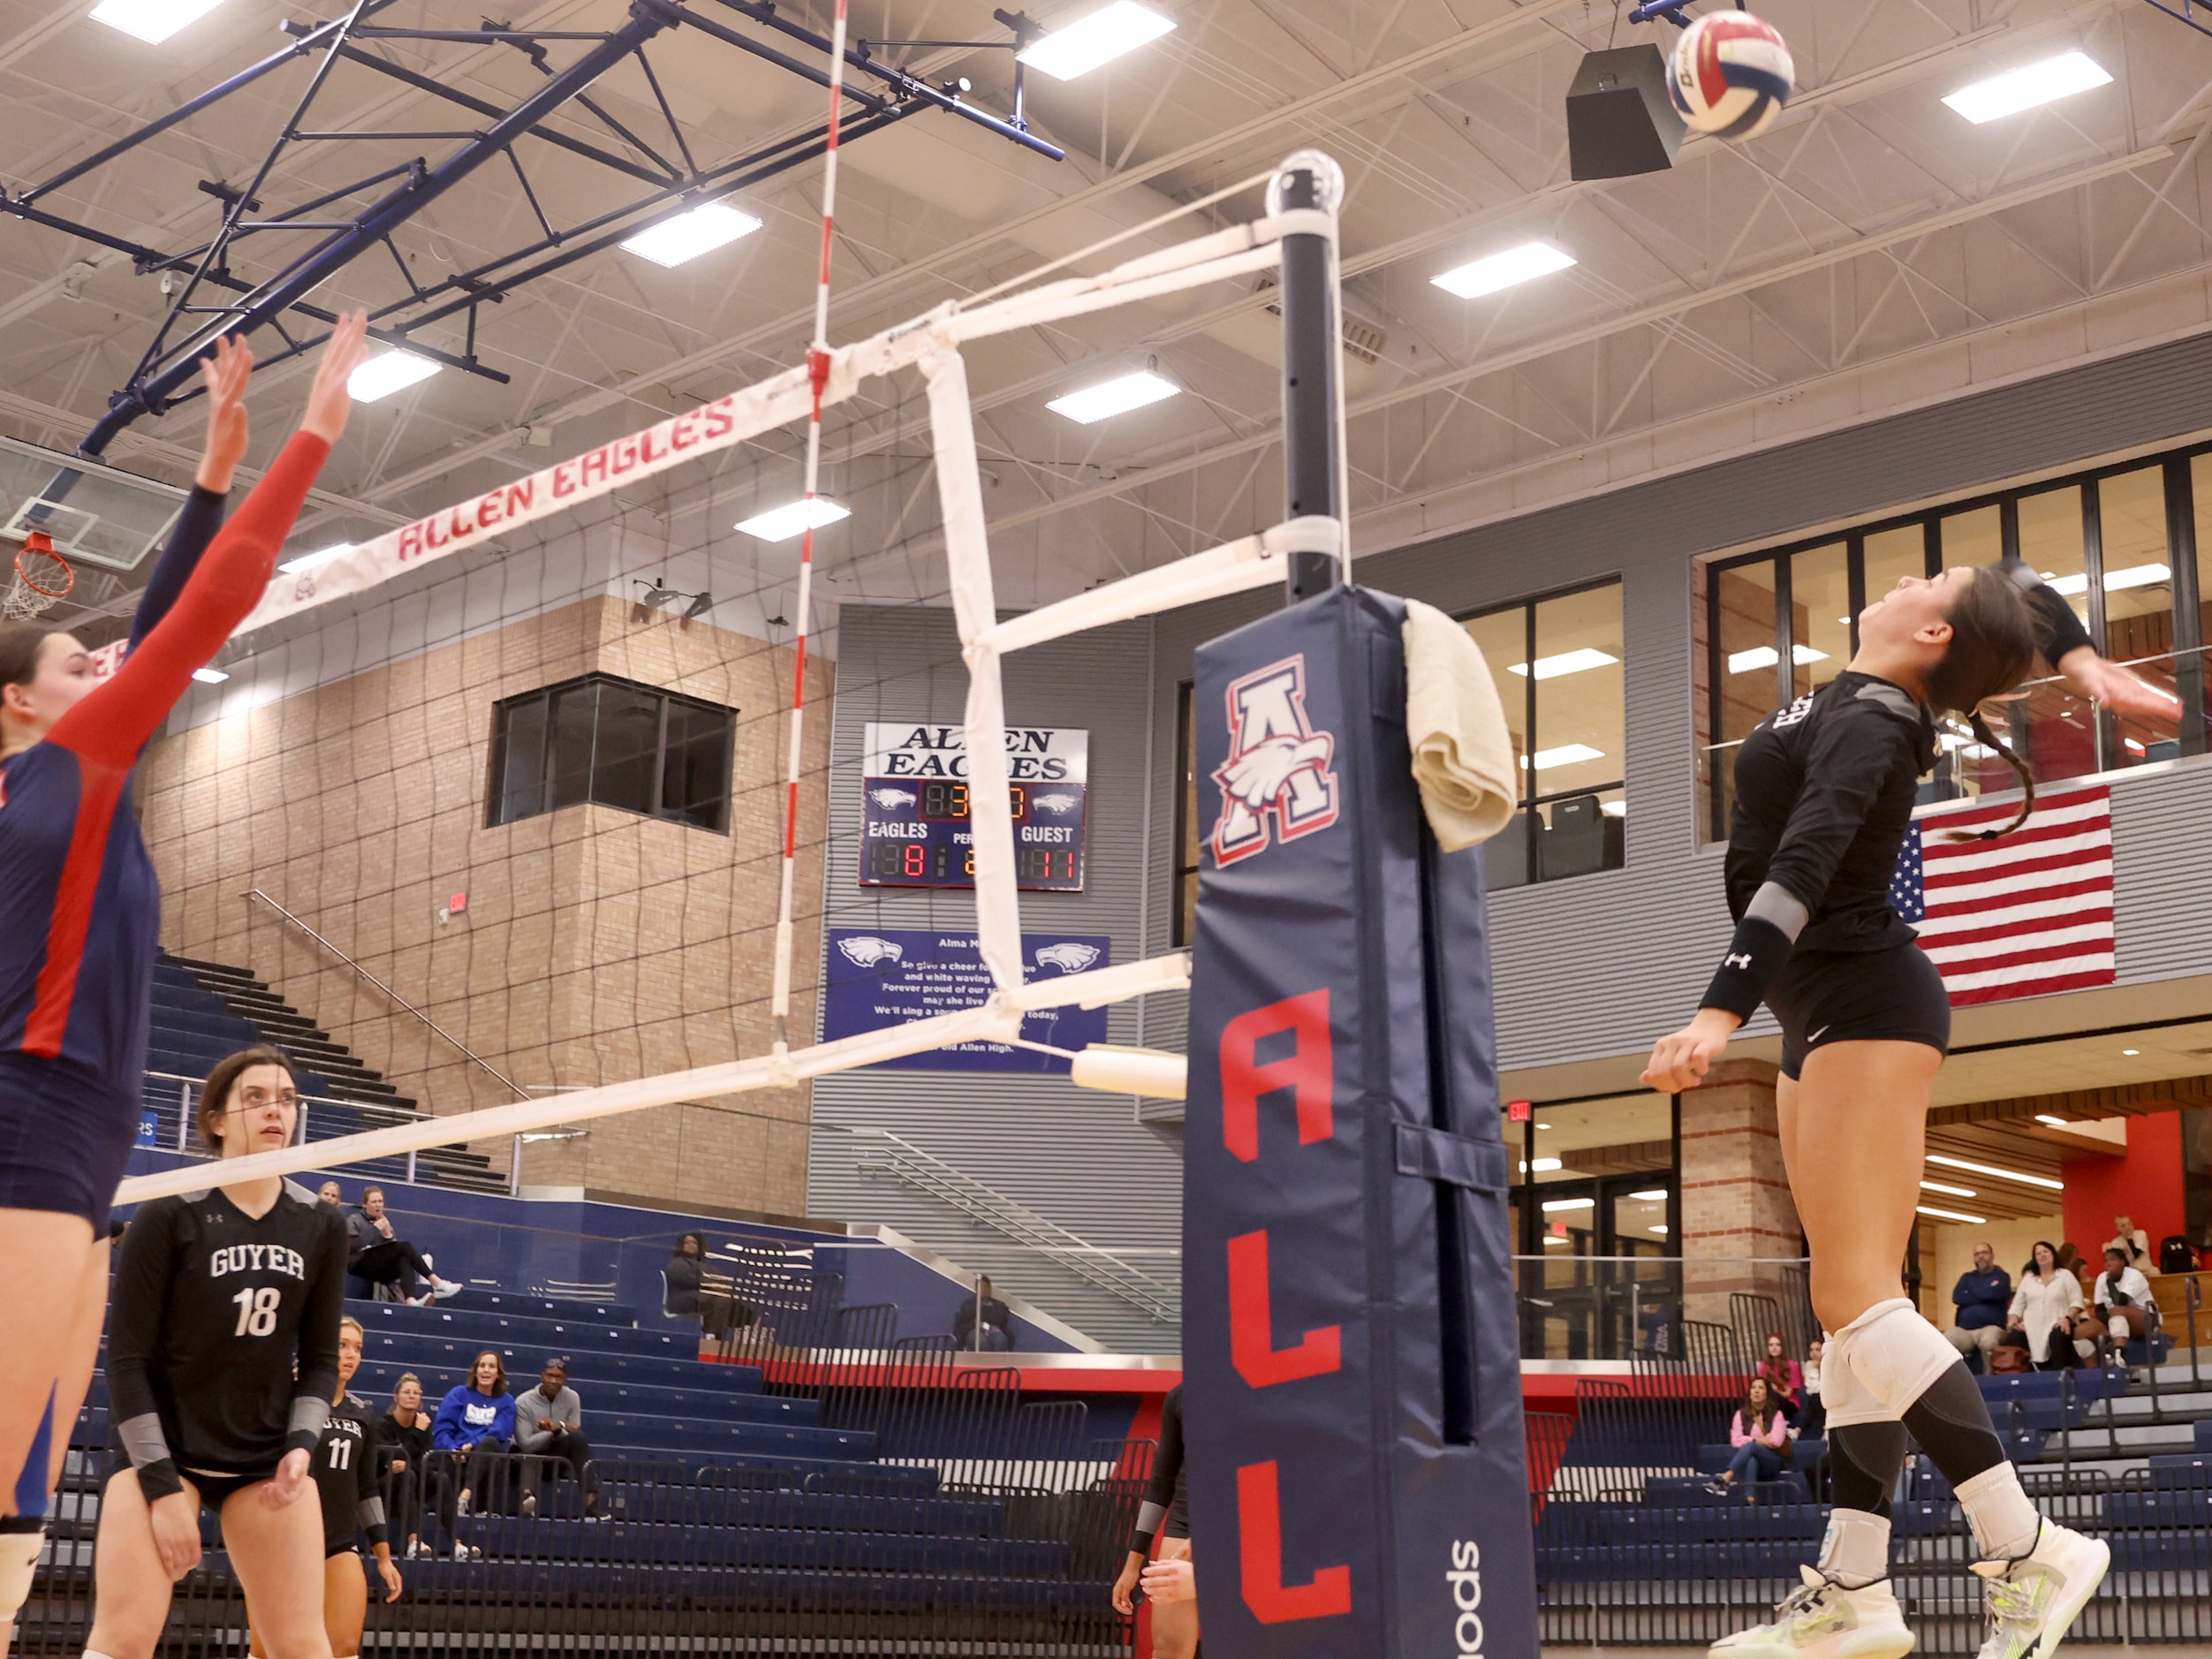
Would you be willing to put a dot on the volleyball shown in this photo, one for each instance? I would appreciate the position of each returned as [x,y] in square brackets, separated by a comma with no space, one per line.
[1729,75]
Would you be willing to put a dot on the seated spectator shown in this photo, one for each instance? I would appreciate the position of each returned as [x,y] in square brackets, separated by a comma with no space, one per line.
[2130,1241]
[403,1454]
[475,1424]
[690,1291]
[328,1193]
[2124,1298]
[550,1421]
[1983,1297]
[2070,1259]
[1760,1438]
[1785,1378]
[990,1329]
[1812,1423]
[2044,1309]
[377,1255]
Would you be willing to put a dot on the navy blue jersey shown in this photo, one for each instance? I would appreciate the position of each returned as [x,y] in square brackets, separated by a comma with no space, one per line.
[80,906]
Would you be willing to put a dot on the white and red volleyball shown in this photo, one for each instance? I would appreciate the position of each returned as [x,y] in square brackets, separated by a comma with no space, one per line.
[1729,75]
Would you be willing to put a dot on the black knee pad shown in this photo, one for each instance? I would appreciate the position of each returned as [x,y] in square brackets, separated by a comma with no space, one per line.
[1863,1462]
[1951,1422]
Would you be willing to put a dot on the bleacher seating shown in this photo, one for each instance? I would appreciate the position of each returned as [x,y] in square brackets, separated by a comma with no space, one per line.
[202,1010]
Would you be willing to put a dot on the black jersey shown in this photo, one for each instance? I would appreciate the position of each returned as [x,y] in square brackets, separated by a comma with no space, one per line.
[213,1312]
[1824,796]
[1167,1494]
[345,1476]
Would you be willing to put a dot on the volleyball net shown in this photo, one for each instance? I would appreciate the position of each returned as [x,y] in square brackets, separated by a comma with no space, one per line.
[373,598]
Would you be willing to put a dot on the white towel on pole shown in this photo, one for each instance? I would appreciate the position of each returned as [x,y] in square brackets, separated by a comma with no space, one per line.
[1463,753]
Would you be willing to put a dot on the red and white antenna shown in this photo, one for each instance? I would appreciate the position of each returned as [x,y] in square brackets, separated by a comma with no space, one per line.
[818,373]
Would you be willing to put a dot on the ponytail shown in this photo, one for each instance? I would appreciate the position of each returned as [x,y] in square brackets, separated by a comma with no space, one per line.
[1992,647]
[1989,739]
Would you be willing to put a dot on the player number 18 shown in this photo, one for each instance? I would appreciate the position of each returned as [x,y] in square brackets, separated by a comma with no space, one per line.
[257,1311]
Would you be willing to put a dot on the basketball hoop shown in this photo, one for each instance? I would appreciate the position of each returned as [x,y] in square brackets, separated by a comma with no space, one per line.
[42,578]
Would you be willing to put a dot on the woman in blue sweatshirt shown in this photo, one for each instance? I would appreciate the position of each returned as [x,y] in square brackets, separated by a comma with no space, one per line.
[475,1423]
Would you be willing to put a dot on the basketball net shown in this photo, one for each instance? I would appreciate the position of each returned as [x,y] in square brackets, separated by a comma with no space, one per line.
[42,577]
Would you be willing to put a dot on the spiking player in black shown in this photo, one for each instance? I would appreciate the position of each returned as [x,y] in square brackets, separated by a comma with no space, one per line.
[352,1502]
[1824,794]
[223,1358]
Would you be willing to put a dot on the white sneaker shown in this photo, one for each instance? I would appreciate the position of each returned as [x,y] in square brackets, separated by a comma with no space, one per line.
[440,1288]
[2033,1601]
[1824,1620]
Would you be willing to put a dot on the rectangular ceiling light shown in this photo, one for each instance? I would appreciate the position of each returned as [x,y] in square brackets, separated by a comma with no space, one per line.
[1565,663]
[781,524]
[153,21]
[309,561]
[1955,1191]
[388,372]
[1948,1214]
[209,676]
[673,242]
[1542,1166]
[2029,86]
[1767,656]
[1570,1203]
[2002,1174]
[1113,396]
[1504,270]
[2044,1117]
[1566,755]
[1651,1197]
[1077,48]
[2131,576]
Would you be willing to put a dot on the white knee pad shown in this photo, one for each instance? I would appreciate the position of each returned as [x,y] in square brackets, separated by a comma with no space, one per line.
[19,1560]
[1883,1361]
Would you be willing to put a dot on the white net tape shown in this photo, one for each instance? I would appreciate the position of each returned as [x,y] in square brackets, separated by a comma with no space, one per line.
[931,344]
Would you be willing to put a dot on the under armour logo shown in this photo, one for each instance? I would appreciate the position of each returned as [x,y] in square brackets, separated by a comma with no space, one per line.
[1739,961]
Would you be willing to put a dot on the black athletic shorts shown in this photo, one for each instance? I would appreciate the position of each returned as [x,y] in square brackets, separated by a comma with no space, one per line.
[214,1488]
[1889,995]
[332,1548]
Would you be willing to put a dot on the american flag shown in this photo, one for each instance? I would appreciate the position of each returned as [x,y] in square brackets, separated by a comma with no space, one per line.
[2024,915]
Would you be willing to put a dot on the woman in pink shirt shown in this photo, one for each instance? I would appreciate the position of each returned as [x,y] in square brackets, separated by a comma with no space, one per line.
[1761,1436]
[1785,1378]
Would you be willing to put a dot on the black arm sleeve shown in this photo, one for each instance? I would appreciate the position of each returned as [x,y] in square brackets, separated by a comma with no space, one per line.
[318,1345]
[369,1492]
[2057,630]
[196,525]
[1159,1492]
[134,1325]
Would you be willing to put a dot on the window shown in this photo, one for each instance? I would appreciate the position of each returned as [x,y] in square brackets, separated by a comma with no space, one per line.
[615,743]
[1186,838]
[1569,724]
[2121,545]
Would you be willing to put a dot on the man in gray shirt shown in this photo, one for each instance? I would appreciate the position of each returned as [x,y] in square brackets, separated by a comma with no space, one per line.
[549,1423]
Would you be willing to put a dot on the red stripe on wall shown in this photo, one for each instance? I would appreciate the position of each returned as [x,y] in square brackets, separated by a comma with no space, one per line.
[101,788]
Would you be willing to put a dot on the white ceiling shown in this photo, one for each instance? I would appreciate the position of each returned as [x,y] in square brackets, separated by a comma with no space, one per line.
[1871,253]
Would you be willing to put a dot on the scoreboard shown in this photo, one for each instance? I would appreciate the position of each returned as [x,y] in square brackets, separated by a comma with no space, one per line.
[914,827]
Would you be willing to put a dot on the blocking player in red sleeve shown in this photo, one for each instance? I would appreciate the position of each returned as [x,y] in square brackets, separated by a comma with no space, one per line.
[80,924]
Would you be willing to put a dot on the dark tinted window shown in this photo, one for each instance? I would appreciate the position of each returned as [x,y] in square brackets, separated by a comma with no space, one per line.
[615,743]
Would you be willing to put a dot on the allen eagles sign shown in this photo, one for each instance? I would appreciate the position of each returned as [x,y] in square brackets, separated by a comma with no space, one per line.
[914,807]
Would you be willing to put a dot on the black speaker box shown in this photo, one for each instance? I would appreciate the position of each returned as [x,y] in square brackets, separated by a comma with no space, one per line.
[1619,122]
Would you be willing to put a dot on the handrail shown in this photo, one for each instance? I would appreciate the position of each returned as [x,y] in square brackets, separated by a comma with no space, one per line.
[942,1180]
[468,1053]
[189,1085]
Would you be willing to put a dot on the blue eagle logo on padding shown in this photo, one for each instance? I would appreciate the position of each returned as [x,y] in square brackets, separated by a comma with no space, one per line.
[1068,956]
[867,950]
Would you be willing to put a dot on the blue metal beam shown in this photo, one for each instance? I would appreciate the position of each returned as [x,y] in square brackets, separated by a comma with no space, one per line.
[150,392]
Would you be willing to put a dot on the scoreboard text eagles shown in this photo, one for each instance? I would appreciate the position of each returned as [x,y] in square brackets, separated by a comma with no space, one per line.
[914,807]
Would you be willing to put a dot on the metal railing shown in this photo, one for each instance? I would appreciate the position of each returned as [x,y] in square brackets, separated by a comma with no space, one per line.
[468,1053]
[881,1151]
[164,1086]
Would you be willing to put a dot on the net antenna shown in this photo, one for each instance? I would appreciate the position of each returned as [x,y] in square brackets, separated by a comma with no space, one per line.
[1296,236]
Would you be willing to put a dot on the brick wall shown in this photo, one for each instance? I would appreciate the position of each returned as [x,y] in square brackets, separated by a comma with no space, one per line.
[597,946]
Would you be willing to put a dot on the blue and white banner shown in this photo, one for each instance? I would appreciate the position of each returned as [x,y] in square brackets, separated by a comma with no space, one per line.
[889,976]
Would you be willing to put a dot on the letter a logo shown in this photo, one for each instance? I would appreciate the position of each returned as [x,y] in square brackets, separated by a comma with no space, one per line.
[1278,767]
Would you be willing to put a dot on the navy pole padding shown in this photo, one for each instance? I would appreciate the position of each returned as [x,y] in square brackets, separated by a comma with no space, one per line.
[1352,1404]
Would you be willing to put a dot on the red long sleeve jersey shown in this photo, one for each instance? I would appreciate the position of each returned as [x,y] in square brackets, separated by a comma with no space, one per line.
[80,906]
